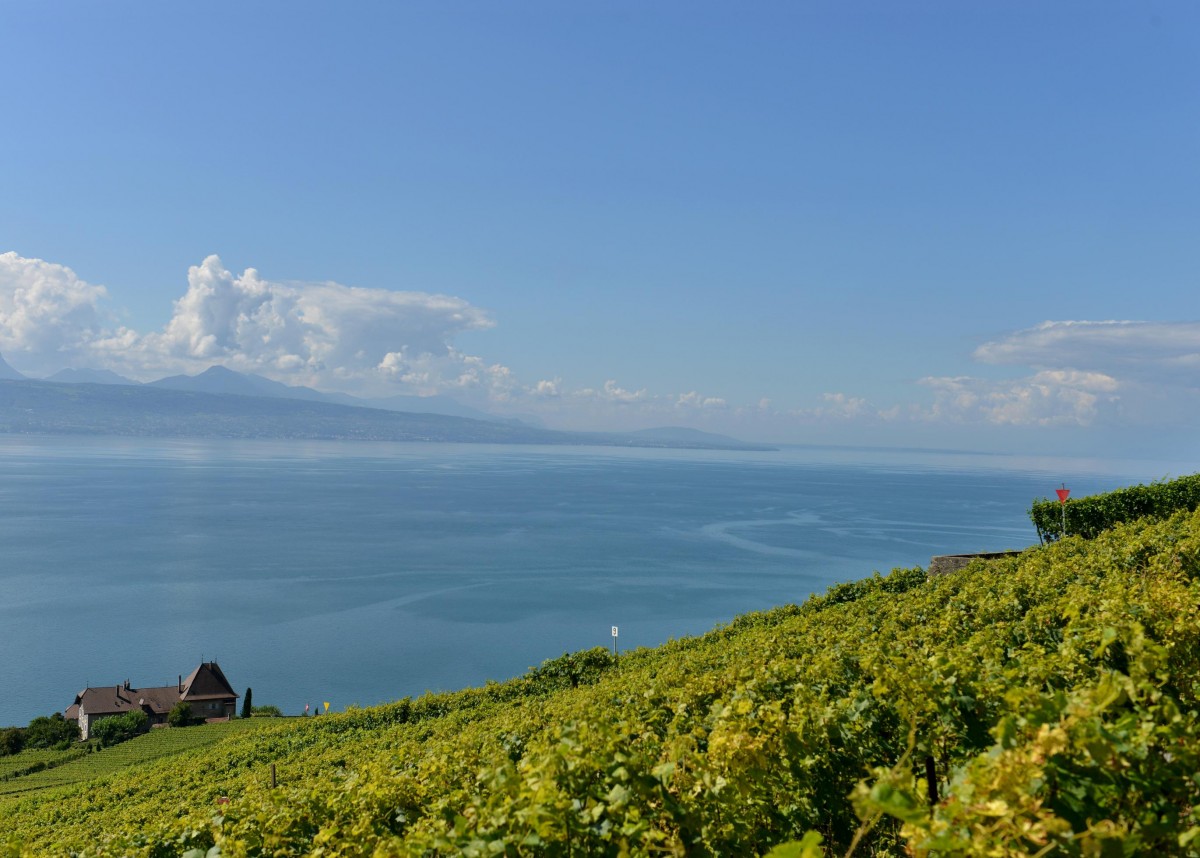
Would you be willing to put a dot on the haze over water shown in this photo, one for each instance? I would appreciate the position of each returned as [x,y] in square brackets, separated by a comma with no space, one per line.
[359,573]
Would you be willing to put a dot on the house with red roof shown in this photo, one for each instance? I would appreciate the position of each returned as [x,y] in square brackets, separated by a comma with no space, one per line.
[205,689]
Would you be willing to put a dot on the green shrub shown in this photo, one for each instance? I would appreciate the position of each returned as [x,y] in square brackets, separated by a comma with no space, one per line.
[1089,516]
[247,705]
[12,740]
[48,731]
[119,728]
[181,715]
[572,669]
[265,712]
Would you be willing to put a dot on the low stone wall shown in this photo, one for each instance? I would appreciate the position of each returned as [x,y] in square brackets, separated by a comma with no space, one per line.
[944,564]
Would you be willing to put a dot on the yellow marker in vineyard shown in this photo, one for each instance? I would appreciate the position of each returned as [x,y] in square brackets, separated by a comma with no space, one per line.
[326,707]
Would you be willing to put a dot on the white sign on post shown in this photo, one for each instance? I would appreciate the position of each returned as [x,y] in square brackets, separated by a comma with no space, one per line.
[614,641]
[614,631]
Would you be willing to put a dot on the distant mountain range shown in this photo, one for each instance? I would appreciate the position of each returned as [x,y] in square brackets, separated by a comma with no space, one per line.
[89,376]
[220,380]
[221,403]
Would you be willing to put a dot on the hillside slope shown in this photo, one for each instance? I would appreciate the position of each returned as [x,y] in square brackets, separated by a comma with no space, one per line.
[1045,702]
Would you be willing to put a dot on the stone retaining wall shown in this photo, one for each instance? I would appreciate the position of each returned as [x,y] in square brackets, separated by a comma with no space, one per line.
[946,563]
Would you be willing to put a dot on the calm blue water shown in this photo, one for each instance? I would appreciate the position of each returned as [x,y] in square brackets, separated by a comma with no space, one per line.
[358,573]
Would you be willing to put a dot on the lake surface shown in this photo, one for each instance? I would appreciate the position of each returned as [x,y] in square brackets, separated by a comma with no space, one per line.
[358,573]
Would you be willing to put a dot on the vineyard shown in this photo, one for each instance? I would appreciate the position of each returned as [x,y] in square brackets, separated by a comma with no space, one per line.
[1044,704]
[27,762]
[1091,515]
[30,771]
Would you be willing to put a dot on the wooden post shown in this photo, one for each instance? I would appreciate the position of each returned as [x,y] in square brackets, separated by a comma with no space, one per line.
[931,784]
[272,776]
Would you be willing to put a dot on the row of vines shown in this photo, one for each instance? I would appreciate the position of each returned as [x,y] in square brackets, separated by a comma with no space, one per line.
[1091,515]
[1042,704]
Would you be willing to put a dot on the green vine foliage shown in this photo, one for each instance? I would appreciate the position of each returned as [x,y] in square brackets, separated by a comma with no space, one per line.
[1089,516]
[1045,704]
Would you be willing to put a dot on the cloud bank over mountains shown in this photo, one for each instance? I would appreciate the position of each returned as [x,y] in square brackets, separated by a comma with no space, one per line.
[328,336]
[324,335]
[378,342]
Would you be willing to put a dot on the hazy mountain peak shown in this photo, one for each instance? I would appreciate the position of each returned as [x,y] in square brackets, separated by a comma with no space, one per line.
[222,379]
[8,372]
[215,379]
[71,375]
[218,371]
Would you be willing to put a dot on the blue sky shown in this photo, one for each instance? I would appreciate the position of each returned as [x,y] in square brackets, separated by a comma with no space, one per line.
[825,222]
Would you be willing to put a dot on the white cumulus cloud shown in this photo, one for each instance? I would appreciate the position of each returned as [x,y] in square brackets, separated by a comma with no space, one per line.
[1048,398]
[1084,373]
[49,316]
[1161,352]
[843,406]
[613,392]
[693,399]
[319,333]
[614,407]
